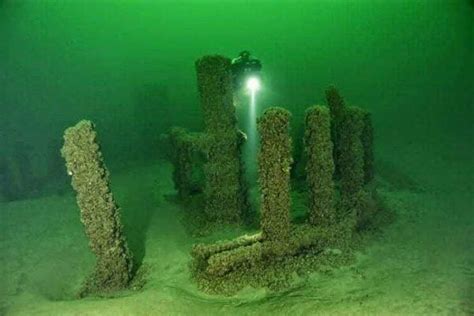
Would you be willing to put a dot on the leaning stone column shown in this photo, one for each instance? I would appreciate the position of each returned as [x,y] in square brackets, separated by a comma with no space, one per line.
[319,166]
[225,190]
[274,161]
[99,212]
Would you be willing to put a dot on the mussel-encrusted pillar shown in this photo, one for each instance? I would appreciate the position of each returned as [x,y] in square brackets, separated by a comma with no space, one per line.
[319,166]
[187,148]
[336,109]
[368,143]
[225,190]
[274,161]
[99,212]
[351,155]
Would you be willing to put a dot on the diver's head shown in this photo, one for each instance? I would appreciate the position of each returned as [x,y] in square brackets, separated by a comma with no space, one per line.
[245,54]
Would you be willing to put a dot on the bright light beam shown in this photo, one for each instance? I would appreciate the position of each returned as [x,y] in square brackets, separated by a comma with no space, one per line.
[253,111]
[253,84]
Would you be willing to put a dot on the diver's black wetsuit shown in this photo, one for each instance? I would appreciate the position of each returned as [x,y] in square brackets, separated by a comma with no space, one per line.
[244,66]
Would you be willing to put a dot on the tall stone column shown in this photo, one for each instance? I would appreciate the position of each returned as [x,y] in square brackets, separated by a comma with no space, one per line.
[99,211]
[274,163]
[225,190]
[351,155]
[319,166]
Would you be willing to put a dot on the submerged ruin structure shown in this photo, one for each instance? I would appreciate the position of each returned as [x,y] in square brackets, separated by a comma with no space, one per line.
[351,152]
[222,267]
[187,148]
[332,218]
[274,163]
[338,155]
[99,211]
[344,120]
[224,188]
[319,166]
[341,197]
[337,107]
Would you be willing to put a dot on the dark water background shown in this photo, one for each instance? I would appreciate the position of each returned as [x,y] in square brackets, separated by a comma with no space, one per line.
[129,67]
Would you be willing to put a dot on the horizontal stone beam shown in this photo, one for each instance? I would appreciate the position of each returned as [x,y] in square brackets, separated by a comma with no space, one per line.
[219,259]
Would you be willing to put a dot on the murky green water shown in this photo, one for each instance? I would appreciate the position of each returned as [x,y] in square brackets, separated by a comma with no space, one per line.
[129,67]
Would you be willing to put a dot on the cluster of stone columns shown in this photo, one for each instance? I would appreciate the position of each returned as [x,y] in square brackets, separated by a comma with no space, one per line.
[353,159]
[326,214]
[353,153]
[338,145]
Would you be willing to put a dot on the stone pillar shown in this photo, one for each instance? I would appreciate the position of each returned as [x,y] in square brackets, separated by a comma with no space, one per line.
[351,155]
[368,143]
[319,166]
[336,106]
[214,80]
[274,161]
[186,151]
[225,190]
[99,212]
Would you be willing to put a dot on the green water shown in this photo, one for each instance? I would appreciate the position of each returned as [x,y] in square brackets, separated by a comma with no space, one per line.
[129,67]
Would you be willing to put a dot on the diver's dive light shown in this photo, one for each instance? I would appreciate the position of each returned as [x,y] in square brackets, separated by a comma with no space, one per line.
[253,84]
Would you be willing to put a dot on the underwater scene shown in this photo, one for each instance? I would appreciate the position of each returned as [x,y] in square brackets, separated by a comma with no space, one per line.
[206,157]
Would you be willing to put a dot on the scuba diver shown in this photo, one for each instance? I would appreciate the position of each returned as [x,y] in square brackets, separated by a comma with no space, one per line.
[244,66]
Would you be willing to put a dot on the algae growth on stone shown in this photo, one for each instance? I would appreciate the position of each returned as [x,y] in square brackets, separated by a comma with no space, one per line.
[224,189]
[274,163]
[99,211]
[187,149]
[338,153]
[319,166]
